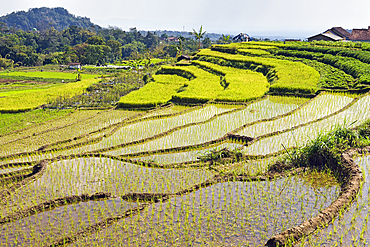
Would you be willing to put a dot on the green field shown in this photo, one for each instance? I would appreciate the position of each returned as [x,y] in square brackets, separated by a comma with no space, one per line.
[249,144]
[34,95]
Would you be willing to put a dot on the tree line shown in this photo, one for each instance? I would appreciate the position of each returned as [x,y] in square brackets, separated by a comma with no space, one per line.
[90,45]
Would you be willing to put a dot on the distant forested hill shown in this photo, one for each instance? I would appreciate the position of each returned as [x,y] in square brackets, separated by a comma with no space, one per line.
[44,18]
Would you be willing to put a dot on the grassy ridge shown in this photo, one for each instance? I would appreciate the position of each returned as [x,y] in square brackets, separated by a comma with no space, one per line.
[291,77]
[156,92]
[242,85]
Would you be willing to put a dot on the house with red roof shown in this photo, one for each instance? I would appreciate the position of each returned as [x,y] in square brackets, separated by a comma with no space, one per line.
[341,34]
[362,35]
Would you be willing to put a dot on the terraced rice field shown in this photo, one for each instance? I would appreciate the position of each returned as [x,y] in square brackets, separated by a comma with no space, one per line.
[130,177]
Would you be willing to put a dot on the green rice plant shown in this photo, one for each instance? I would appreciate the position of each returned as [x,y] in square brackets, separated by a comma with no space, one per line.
[255,52]
[210,130]
[154,93]
[298,137]
[322,106]
[95,121]
[225,213]
[290,76]
[185,156]
[149,128]
[353,222]
[173,109]
[19,121]
[92,175]
[48,76]
[203,88]
[241,85]
[349,61]
[46,227]
[30,99]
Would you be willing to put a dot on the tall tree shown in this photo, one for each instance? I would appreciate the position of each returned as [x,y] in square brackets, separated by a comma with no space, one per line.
[198,35]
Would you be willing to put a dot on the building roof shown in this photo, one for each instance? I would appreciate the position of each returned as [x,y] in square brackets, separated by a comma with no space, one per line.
[241,36]
[328,35]
[339,31]
[360,34]
[74,64]
[173,39]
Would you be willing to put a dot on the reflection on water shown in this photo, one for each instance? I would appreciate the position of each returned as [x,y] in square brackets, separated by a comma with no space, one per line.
[227,214]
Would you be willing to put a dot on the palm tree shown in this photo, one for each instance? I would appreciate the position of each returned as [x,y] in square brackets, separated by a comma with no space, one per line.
[225,39]
[199,35]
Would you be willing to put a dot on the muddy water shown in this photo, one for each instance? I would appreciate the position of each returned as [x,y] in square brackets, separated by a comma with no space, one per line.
[352,228]
[44,228]
[225,214]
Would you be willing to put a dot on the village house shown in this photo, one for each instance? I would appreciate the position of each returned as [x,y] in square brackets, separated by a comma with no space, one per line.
[175,39]
[326,37]
[362,35]
[242,37]
[339,31]
[74,65]
[340,34]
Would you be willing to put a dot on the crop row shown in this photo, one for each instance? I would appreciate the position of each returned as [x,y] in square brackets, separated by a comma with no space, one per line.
[289,77]
[322,106]
[97,120]
[92,175]
[353,116]
[210,130]
[147,129]
[363,56]
[232,213]
[358,68]
[240,85]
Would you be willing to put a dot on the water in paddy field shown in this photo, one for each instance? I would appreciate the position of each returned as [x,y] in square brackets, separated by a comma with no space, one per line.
[225,214]
[93,175]
[43,228]
[351,228]
[187,156]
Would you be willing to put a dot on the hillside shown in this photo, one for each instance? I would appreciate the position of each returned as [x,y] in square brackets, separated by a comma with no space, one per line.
[45,18]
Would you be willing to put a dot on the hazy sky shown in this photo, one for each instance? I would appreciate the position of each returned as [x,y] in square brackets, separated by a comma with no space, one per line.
[258,17]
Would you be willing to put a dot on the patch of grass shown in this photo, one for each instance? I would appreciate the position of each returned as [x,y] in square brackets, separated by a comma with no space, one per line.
[16,121]
[221,155]
[318,152]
